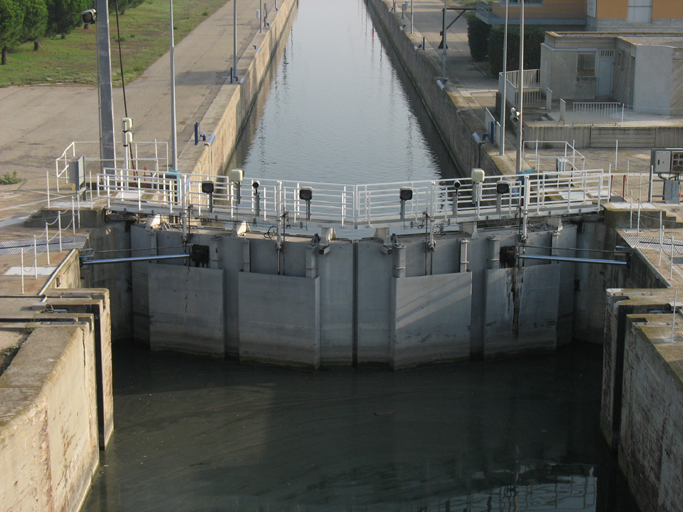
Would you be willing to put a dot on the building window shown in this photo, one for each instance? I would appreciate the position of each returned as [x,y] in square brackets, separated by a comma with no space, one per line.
[585,65]
[639,11]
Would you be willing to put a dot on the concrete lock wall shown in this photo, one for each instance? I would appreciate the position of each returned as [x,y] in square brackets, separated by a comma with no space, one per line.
[364,301]
[48,421]
[651,443]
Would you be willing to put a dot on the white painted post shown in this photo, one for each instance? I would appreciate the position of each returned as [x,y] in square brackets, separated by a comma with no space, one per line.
[630,215]
[638,225]
[671,260]
[47,243]
[661,238]
[59,227]
[73,217]
[35,256]
[22,271]
[563,110]
[47,180]
[616,155]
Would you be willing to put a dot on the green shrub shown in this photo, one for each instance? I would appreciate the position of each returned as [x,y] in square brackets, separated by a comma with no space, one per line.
[477,37]
[533,38]
[9,179]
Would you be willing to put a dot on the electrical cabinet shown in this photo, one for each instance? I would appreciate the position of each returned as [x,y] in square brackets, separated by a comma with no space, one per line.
[667,161]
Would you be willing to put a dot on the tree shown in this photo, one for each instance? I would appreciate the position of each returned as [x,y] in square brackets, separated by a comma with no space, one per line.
[533,38]
[123,5]
[477,37]
[65,15]
[11,24]
[35,22]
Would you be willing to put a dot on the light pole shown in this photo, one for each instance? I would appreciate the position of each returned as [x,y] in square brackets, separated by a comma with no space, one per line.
[443,57]
[412,24]
[234,38]
[503,110]
[174,133]
[520,128]
[107,146]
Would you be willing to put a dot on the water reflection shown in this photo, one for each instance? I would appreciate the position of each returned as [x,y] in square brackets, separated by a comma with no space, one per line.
[337,111]
[198,434]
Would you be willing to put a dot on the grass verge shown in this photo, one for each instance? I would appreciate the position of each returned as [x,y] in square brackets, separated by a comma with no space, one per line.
[144,38]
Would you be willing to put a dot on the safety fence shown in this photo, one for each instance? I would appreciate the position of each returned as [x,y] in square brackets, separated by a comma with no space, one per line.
[153,156]
[53,238]
[352,206]
[598,112]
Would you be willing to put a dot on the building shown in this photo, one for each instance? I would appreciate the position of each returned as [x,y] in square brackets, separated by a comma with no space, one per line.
[558,14]
[618,15]
[591,15]
[643,71]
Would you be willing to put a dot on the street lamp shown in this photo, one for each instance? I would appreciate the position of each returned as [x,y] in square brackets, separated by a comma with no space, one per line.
[104,89]
[174,132]
[234,38]
[520,128]
[503,110]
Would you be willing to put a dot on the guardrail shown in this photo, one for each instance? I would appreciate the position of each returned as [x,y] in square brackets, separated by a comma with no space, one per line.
[559,156]
[598,112]
[414,203]
[47,240]
[140,155]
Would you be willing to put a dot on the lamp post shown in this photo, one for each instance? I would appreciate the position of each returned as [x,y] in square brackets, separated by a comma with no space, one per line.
[107,146]
[503,110]
[520,128]
[443,56]
[174,133]
[234,38]
[412,24]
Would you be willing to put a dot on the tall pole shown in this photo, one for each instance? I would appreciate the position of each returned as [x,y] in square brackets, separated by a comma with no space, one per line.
[520,134]
[412,24]
[503,110]
[174,132]
[234,38]
[443,57]
[260,17]
[104,90]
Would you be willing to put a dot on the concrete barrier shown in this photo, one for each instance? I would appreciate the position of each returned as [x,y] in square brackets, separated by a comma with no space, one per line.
[48,421]
[642,397]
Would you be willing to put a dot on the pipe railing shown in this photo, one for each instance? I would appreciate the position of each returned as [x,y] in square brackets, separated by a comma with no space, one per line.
[367,205]
[142,155]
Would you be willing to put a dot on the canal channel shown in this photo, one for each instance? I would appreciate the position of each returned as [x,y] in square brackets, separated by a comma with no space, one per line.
[198,434]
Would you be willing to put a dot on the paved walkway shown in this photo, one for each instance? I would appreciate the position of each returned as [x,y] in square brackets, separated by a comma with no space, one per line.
[40,121]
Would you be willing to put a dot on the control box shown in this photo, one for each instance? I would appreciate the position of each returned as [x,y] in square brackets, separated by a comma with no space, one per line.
[667,160]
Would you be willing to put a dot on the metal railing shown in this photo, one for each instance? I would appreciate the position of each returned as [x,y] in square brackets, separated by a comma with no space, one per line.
[44,239]
[598,112]
[353,206]
[560,156]
[141,155]
[533,91]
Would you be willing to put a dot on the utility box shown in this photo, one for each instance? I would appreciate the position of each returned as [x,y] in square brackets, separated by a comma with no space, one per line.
[667,160]
[77,172]
[672,190]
